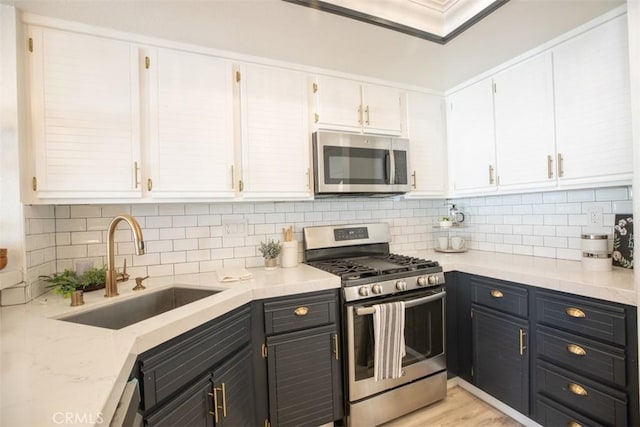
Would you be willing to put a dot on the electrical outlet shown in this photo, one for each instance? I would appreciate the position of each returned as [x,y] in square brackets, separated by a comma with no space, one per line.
[594,216]
[236,227]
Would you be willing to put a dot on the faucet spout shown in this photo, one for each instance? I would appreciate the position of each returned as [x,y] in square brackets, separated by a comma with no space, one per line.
[111,284]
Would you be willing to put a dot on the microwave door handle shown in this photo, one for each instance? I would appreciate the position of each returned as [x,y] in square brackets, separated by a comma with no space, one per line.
[363,311]
[387,167]
[392,160]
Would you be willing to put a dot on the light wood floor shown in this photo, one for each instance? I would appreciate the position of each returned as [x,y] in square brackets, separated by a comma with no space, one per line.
[459,409]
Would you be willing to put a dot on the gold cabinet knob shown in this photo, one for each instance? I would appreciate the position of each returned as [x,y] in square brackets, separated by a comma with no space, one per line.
[577,389]
[576,349]
[575,312]
[496,293]
[301,311]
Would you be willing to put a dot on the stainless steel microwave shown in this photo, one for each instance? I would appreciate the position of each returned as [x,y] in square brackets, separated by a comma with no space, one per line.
[349,164]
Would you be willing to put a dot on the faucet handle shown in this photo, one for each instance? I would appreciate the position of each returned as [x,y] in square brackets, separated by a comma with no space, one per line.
[123,277]
[139,286]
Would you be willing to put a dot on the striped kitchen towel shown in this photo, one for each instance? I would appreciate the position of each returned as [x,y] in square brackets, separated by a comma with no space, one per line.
[388,328]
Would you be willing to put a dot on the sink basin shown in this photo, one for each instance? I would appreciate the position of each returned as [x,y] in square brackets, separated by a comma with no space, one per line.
[128,312]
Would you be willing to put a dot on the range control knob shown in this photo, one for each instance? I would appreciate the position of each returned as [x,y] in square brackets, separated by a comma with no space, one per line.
[363,291]
[422,281]
[434,279]
[401,285]
[377,289]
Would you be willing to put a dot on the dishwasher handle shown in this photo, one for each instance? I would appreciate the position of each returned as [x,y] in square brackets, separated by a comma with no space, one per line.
[363,311]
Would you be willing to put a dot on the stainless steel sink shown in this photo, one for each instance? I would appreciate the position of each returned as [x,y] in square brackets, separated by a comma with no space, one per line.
[128,312]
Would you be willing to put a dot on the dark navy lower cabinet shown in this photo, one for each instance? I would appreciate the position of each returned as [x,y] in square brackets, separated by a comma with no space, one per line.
[500,339]
[586,364]
[501,356]
[204,377]
[303,360]
[221,398]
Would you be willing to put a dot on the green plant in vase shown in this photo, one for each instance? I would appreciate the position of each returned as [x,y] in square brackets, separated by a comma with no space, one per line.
[68,281]
[270,251]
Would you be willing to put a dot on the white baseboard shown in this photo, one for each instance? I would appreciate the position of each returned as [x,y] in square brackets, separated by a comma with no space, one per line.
[502,407]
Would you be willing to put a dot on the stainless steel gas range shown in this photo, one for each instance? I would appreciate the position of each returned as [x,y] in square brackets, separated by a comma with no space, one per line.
[359,254]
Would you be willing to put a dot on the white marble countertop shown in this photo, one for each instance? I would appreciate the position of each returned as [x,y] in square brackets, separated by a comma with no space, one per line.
[54,372]
[51,370]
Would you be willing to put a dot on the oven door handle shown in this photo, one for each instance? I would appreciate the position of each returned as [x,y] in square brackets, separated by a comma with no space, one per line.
[363,311]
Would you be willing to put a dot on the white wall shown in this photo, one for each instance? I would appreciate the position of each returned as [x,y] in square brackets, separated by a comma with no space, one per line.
[11,231]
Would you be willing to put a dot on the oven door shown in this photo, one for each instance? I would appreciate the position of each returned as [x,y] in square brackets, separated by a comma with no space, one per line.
[424,341]
[345,163]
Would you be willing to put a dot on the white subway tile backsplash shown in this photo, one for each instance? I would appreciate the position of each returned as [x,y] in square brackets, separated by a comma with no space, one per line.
[618,193]
[187,238]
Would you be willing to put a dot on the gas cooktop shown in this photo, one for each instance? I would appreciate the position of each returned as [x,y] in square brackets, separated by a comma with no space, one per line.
[374,266]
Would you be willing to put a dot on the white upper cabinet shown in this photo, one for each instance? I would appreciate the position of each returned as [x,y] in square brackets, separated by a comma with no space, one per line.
[84,116]
[593,116]
[525,143]
[472,156]
[191,138]
[427,145]
[348,105]
[275,133]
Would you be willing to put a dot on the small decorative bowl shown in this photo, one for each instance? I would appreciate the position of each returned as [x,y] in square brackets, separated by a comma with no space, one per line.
[443,223]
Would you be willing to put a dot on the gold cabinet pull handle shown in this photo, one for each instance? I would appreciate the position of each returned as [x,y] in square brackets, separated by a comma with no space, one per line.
[522,346]
[215,404]
[136,169]
[335,346]
[573,424]
[414,179]
[560,165]
[576,349]
[491,178]
[496,293]
[301,311]
[575,312]
[224,400]
[149,184]
[577,389]
[368,122]
[549,166]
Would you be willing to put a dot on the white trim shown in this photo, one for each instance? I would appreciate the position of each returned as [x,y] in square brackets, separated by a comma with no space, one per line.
[487,398]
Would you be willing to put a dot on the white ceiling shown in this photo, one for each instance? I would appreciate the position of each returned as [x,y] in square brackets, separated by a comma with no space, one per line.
[289,32]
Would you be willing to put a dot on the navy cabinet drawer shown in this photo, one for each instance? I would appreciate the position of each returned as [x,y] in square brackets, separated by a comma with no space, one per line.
[601,403]
[552,414]
[500,296]
[292,314]
[583,355]
[592,319]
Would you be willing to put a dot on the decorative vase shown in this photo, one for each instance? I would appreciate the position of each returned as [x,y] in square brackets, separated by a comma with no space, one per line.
[270,263]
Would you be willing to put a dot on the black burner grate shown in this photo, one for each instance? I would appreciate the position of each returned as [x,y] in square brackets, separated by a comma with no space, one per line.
[371,266]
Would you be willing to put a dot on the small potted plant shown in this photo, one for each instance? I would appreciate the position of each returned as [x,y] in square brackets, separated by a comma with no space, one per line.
[444,221]
[270,251]
[68,281]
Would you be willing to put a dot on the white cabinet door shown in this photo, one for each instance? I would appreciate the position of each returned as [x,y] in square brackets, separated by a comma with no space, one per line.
[427,145]
[85,115]
[382,110]
[191,125]
[348,105]
[593,119]
[525,141]
[338,105]
[472,161]
[275,133]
